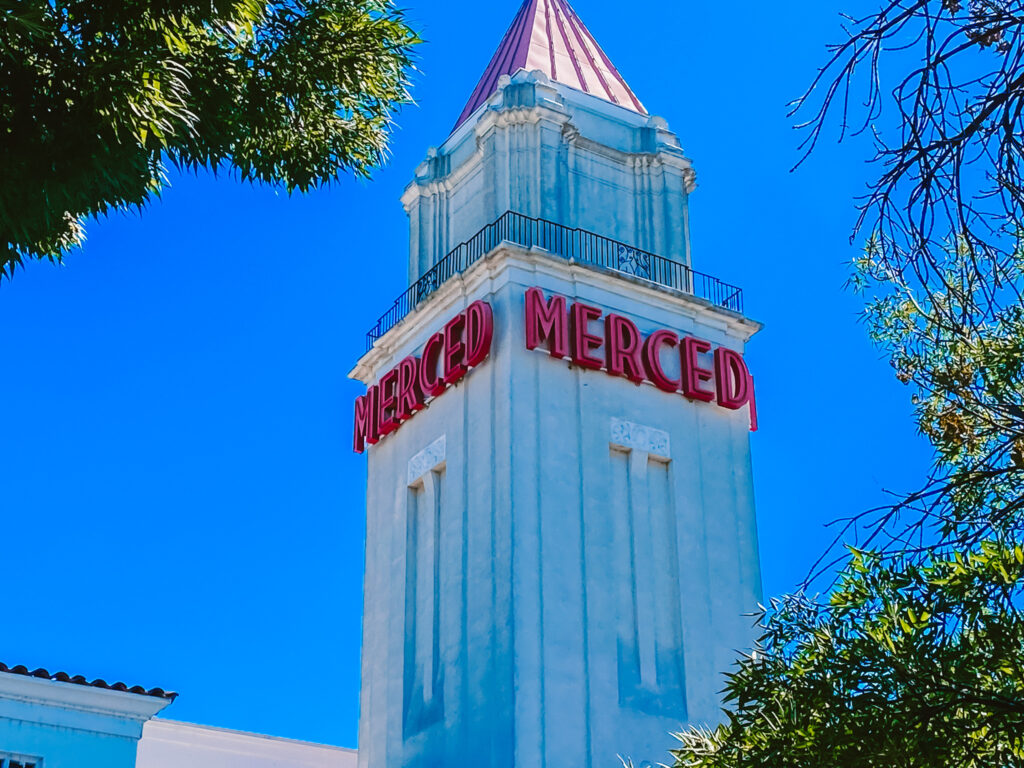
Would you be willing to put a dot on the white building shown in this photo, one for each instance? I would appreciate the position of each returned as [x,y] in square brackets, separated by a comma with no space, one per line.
[167,744]
[59,721]
[561,541]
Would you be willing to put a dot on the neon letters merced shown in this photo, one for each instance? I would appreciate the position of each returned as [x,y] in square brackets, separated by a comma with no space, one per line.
[581,333]
[406,389]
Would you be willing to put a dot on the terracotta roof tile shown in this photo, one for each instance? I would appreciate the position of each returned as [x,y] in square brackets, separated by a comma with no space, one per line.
[548,35]
[64,677]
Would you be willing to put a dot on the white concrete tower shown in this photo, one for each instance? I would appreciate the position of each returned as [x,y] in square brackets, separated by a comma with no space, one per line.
[561,543]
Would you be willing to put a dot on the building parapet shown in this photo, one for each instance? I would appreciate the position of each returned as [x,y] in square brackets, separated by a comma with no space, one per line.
[572,244]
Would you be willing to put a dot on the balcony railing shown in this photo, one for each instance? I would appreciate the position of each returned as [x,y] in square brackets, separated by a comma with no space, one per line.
[577,244]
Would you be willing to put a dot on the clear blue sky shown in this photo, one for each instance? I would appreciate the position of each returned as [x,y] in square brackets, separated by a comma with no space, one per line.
[179,501]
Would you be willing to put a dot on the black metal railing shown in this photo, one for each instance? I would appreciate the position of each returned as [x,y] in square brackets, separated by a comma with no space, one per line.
[584,247]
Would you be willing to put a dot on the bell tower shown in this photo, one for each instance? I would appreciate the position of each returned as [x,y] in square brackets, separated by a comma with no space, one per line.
[561,542]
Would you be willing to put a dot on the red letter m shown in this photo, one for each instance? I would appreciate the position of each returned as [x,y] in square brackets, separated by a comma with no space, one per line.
[547,320]
[366,421]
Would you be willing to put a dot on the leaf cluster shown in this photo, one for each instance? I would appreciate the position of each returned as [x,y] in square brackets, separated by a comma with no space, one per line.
[915,655]
[907,665]
[97,97]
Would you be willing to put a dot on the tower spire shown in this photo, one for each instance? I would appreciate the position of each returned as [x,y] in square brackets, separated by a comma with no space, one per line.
[549,36]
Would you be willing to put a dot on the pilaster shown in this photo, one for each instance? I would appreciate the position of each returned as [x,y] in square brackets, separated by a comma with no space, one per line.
[547,151]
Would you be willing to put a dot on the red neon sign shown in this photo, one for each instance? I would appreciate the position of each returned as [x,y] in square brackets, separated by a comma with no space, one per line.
[574,333]
[406,389]
[581,333]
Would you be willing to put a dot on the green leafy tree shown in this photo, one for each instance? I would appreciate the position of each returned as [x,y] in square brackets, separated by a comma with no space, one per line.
[915,654]
[97,96]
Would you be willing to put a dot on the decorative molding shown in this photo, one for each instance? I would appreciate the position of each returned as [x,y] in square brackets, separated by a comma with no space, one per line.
[55,695]
[428,459]
[690,180]
[635,262]
[496,266]
[638,437]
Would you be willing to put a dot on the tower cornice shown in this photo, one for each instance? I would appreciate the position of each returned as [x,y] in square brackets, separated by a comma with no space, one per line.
[509,262]
[547,101]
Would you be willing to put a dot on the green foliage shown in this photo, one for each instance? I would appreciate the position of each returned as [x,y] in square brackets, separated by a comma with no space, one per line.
[908,665]
[97,95]
[915,656]
[958,340]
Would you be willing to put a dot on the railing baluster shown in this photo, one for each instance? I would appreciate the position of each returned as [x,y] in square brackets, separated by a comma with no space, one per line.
[567,243]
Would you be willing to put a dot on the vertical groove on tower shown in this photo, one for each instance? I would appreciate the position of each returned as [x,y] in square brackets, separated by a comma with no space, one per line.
[535,665]
[581,428]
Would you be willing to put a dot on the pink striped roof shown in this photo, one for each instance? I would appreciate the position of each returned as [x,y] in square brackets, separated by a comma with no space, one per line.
[549,36]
